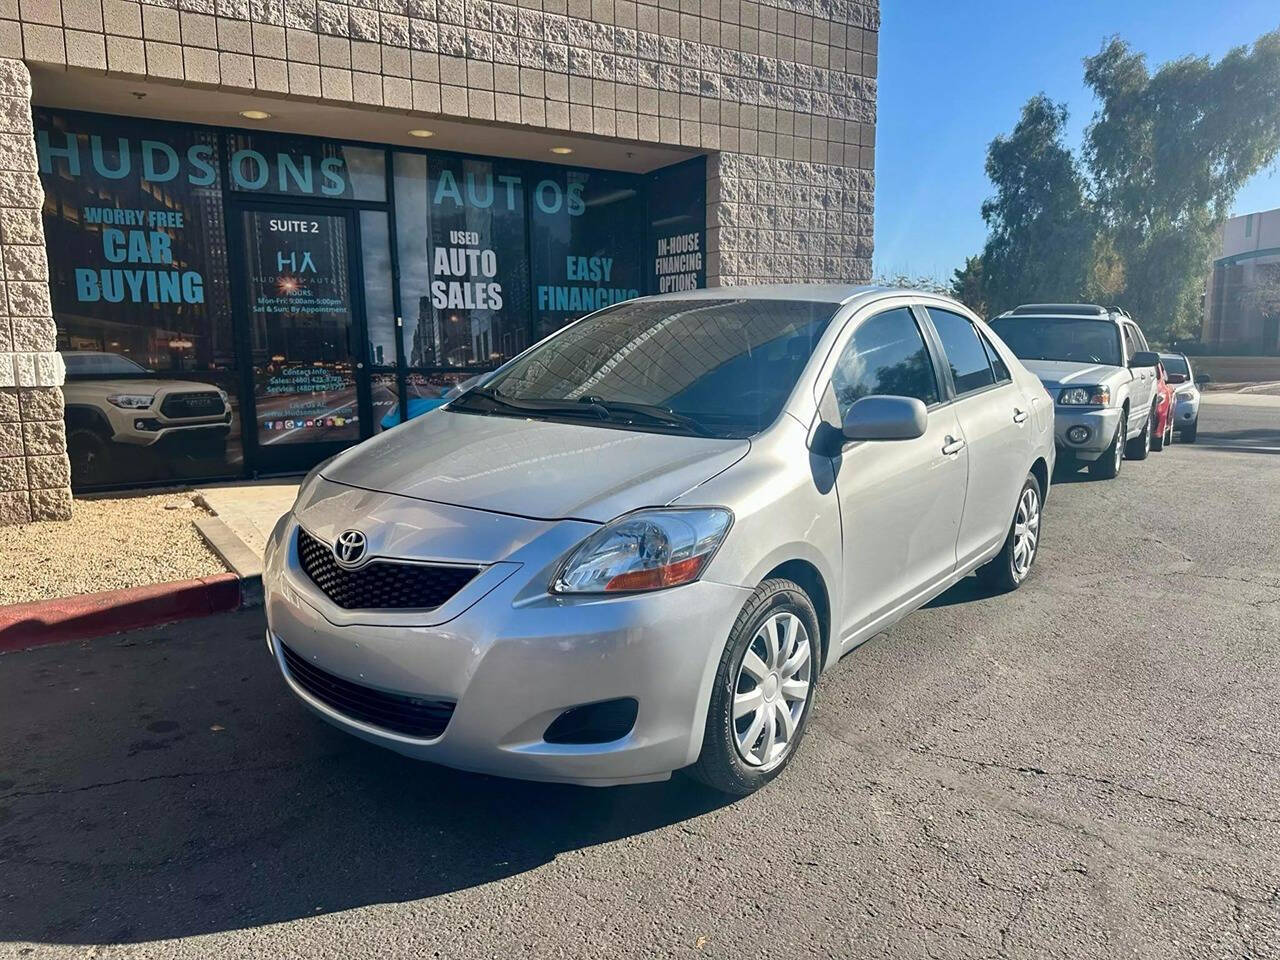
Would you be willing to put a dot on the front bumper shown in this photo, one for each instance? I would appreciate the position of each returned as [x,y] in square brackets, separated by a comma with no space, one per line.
[170,434]
[1100,422]
[1186,411]
[514,658]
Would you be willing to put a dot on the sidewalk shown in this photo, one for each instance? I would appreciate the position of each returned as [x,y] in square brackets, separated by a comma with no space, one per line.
[250,510]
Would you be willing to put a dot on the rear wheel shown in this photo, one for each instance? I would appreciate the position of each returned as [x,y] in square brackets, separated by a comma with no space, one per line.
[1012,564]
[1107,466]
[763,691]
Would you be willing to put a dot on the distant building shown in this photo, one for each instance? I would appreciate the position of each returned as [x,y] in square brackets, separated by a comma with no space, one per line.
[1242,279]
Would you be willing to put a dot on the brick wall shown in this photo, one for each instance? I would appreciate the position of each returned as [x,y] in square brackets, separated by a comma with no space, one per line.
[34,475]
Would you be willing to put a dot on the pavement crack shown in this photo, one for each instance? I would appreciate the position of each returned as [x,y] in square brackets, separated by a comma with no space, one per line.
[184,775]
[1229,819]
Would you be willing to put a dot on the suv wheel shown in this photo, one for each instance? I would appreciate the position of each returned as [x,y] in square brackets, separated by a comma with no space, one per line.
[1012,564]
[763,691]
[88,451]
[1107,466]
[1140,446]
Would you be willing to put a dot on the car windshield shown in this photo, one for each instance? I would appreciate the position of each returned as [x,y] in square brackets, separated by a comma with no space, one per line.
[721,367]
[1175,365]
[1051,338]
[101,365]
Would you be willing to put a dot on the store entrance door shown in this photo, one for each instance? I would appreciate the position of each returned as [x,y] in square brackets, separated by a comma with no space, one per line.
[309,392]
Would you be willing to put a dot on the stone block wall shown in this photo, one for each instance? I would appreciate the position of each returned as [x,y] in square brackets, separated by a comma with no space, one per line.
[35,479]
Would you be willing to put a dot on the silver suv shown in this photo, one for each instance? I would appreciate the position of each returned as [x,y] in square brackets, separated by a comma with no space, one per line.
[1097,366]
[638,545]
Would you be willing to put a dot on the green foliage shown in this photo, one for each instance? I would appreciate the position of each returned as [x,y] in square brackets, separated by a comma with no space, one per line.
[968,286]
[1041,228]
[1133,220]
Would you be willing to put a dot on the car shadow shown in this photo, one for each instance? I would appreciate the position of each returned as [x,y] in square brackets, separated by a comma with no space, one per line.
[968,590]
[184,792]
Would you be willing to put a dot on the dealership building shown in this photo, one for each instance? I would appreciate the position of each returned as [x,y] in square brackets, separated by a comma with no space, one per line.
[240,235]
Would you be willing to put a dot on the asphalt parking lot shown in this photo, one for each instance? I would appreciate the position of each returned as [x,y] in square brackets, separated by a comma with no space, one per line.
[1087,767]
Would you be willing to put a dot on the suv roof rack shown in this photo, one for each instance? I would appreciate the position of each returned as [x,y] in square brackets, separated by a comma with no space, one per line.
[1063,309]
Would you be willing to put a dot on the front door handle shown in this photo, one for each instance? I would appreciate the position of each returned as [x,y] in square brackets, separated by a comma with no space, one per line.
[952,446]
[1019,416]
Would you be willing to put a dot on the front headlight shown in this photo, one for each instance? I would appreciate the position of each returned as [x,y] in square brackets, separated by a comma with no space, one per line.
[645,550]
[132,401]
[1098,396]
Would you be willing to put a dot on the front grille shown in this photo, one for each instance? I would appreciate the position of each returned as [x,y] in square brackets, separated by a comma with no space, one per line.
[179,406]
[380,584]
[423,717]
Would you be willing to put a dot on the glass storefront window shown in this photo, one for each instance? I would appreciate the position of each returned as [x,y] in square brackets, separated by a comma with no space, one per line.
[464,268]
[139,282]
[379,306]
[275,165]
[587,227]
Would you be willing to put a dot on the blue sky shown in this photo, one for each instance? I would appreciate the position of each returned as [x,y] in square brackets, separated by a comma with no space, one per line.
[955,73]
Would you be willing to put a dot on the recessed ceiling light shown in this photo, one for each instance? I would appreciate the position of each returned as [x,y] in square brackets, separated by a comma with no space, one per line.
[422,134]
[255,114]
[563,151]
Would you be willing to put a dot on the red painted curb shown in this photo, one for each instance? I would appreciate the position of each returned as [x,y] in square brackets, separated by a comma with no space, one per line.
[25,625]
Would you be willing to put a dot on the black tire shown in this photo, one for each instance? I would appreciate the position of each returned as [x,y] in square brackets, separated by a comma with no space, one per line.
[89,453]
[1157,443]
[1001,574]
[1188,434]
[721,765]
[1107,466]
[1140,446]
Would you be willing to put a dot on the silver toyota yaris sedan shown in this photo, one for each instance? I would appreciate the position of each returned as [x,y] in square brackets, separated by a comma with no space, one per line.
[637,546]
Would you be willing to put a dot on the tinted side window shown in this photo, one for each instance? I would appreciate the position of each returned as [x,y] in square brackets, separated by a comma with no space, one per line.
[970,368]
[886,355]
[998,365]
[1130,344]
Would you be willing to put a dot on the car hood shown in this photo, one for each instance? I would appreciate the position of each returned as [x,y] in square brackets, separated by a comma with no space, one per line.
[139,385]
[532,468]
[1064,373]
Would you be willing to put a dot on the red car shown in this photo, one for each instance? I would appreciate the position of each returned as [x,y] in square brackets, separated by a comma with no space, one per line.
[1162,410]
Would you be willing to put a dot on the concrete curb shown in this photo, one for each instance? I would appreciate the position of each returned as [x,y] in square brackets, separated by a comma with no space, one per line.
[26,625]
[237,555]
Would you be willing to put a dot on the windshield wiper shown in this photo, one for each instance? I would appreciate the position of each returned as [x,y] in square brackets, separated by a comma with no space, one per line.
[651,411]
[531,406]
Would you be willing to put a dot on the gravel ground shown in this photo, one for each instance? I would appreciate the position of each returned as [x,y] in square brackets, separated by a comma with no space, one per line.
[107,544]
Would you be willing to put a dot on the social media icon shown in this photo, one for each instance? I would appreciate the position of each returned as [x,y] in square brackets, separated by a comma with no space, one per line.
[288,424]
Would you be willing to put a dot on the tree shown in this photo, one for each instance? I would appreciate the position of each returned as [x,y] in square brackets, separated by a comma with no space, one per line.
[968,286]
[1041,226]
[1132,221]
[1167,153]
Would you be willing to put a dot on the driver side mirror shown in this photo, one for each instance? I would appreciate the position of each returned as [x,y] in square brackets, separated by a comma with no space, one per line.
[1202,379]
[1177,378]
[1144,358]
[885,418]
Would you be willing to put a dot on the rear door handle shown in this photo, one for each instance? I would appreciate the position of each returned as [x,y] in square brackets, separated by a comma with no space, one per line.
[1019,416]
[952,446]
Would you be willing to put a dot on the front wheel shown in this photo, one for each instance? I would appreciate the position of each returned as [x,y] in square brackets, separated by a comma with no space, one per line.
[763,691]
[1140,446]
[1188,434]
[1107,466]
[1158,441]
[1012,564]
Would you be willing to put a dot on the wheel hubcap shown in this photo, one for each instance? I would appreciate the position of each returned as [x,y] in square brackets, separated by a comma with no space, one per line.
[1026,532]
[772,690]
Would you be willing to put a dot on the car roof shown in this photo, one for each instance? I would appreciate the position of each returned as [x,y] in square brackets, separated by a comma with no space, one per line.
[834,293]
[1066,311]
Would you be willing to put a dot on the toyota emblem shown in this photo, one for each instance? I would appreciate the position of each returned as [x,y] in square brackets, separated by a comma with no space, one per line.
[350,548]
